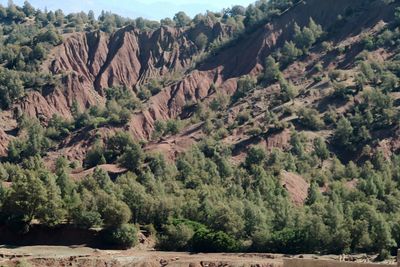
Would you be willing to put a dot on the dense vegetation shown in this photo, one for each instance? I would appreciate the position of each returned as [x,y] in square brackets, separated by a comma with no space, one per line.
[203,201]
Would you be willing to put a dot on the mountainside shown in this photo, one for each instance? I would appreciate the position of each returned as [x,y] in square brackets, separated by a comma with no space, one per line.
[268,128]
[92,62]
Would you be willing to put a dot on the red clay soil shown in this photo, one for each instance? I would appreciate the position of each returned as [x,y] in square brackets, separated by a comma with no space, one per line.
[113,170]
[296,186]
[94,61]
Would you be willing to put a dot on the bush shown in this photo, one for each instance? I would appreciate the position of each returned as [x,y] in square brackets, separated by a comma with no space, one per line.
[124,236]
[95,156]
[310,118]
[286,241]
[176,237]
[206,241]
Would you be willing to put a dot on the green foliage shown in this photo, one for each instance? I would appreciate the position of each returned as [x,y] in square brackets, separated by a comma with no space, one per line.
[289,53]
[132,157]
[95,156]
[244,85]
[306,37]
[255,156]
[124,236]
[201,41]
[181,19]
[176,237]
[288,90]
[11,87]
[310,118]
[320,149]
[272,72]
[206,241]
[343,133]
[35,143]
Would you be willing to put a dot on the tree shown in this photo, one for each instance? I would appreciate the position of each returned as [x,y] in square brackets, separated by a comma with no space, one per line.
[181,19]
[132,158]
[39,52]
[289,53]
[117,145]
[3,12]
[244,85]
[313,194]
[52,212]
[306,37]
[11,87]
[343,132]
[91,16]
[28,9]
[172,127]
[288,90]
[297,143]
[135,196]
[237,10]
[201,41]
[114,212]
[255,156]
[108,24]
[95,156]
[397,15]
[272,72]
[310,118]
[27,198]
[124,236]
[167,22]
[176,237]
[50,35]
[320,149]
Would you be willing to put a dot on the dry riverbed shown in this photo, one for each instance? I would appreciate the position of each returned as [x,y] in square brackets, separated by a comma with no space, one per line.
[87,257]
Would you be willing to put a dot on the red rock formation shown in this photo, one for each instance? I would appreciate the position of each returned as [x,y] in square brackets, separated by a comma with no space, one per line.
[93,61]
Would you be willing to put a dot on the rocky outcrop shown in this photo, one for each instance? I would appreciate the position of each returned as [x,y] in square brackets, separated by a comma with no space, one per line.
[91,62]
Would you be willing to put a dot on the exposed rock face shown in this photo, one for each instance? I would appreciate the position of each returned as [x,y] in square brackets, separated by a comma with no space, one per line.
[91,62]
[95,61]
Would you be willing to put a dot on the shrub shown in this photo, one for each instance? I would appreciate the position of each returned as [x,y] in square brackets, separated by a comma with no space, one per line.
[95,156]
[124,236]
[206,241]
[310,118]
[176,237]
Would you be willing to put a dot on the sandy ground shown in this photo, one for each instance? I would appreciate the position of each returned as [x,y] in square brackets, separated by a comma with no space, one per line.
[87,257]
[83,256]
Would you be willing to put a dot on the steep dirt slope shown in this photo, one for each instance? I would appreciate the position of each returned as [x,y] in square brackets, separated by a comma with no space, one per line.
[247,55]
[91,62]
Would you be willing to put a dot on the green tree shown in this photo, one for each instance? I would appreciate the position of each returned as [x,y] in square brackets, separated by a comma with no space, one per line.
[272,72]
[11,87]
[320,149]
[132,158]
[27,198]
[176,237]
[255,156]
[343,132]
[181,19]
[288,90]
[95,156]
[201,41]
[289,53]
[28,9]
[313,194]
[124,236]
[52,212]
